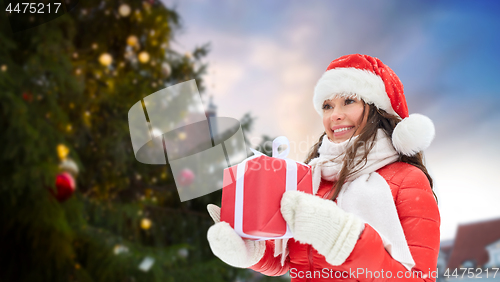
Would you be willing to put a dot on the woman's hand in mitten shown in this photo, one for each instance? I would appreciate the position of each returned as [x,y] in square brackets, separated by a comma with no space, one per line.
[321,223]
[227,245]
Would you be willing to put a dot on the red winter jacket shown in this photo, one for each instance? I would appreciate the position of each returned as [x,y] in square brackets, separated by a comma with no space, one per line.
[369,261]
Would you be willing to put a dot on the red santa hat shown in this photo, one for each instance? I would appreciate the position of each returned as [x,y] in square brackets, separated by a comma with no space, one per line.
[367,78]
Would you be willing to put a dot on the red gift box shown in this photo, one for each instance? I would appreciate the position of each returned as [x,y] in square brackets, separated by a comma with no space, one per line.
[252,192]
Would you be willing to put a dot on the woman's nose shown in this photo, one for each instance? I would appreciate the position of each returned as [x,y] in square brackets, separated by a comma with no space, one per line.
[337,114]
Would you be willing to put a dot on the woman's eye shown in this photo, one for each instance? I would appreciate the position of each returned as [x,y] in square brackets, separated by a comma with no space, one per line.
[326,107]
[349,101]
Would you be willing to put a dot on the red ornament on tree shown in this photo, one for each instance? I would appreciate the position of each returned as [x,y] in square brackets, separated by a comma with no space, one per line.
[27,96]
[186,177]
[65,186]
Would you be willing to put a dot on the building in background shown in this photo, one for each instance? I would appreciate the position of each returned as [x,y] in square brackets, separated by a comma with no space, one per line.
[476,248]
[444,254]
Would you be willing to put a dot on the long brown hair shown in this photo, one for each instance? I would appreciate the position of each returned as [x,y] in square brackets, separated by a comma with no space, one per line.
[376,119]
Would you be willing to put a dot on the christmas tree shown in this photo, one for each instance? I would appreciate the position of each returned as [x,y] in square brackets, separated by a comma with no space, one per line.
[67,86]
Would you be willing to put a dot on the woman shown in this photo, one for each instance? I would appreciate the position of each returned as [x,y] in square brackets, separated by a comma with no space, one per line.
[373,214]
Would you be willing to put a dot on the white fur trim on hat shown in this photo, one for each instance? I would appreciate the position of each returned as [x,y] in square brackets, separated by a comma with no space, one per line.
[348,82]
[413,134]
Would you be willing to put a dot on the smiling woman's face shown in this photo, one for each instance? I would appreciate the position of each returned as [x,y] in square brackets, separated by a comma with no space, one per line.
[342,118]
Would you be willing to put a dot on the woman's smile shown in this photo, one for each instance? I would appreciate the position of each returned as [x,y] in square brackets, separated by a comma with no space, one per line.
[341,130]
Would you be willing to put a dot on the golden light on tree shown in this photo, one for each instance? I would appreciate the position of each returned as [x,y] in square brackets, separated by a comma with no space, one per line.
[132,40]
[146,223]
[124,10]
[144,57]
[62,151]
[105,59]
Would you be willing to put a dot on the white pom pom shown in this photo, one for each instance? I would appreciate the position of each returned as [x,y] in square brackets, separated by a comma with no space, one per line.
[413,134]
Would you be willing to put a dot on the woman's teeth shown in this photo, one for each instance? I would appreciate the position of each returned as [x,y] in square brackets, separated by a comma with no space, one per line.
[342,129]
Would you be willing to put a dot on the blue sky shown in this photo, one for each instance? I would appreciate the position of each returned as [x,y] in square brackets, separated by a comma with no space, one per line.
[266,57]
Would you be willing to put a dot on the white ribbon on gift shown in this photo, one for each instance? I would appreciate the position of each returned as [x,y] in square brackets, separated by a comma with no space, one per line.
[291,185]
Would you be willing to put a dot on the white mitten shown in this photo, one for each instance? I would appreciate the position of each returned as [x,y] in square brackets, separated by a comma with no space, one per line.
[227,245]
[321,223]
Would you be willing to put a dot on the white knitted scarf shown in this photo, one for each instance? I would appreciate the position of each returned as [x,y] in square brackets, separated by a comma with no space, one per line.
[331,157]
[380,212]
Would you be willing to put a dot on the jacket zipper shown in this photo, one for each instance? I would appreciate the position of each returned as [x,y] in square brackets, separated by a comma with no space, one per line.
[311,262]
